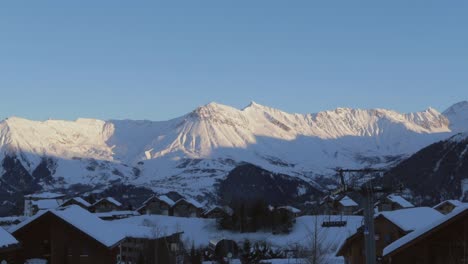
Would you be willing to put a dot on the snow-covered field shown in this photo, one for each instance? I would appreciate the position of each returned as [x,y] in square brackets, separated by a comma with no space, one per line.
[200,231]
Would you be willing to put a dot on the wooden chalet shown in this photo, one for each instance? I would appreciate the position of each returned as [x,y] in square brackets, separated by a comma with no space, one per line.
[159,250]
[107,204]
[159,205]
[36,202]
[441,242]
[187,207]
[392,202]
[9,247]
[218,212]
[75,236]
[76,201]
[67,235]
[114,215]
[338,205]
[389,226]
[447,206]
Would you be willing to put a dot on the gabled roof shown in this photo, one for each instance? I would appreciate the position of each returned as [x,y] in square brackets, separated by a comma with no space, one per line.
[84,221]
[421,232]
[407,219]
[455,203]
[110,200]
[190,201]
[290,209]
[166,199]
[347,201]
[79,200]
[6,239]
[116,214]
[410,219]
[162,198]
[45,195]
[400,200]
[46,204]
[228,210]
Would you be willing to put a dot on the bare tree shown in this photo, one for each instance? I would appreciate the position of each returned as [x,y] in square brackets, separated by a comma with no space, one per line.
[318,250]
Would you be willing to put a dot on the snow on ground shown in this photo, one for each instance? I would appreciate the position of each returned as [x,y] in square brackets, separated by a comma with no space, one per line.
[200,231]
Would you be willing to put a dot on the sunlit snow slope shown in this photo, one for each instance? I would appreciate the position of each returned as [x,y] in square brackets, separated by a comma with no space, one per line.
[191,152]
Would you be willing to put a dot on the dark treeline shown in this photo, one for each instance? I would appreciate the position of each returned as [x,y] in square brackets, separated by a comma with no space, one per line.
[255,216]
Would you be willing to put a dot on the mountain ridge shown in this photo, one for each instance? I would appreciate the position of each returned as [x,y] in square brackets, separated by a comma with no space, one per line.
[192,152]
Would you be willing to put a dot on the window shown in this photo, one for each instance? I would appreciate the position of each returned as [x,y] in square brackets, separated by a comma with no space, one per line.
[84,251]
[174,247]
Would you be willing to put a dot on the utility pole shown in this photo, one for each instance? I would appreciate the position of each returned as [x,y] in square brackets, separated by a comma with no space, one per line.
[367,191]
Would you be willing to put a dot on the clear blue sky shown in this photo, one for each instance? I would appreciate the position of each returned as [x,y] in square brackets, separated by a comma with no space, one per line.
[154,60]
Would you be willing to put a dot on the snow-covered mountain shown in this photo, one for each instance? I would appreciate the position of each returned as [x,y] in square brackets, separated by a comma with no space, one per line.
[192,152]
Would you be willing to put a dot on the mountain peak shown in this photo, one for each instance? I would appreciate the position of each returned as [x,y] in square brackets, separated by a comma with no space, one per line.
[456,108]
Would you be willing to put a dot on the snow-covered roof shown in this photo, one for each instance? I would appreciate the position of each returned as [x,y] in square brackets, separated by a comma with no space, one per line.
[6,239]
[79,200]
[46,204]
[400,200]
[163,198]
[83,220]
[116,214]
[455,203]
[228,210]
[166,199]
[347,201]
[410,219]
[45,195]
[109,199]
[190,201]
[422,231]
[291,209]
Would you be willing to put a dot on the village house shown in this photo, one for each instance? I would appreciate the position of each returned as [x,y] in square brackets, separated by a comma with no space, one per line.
[187,207]
[443,241]
[77,201]
[75,236]
[158,205]
[389,226]
[338,204]
[447,206]
[218,212]
[107,204]
[392,202]
[41,201]
[114,215]
[9,247]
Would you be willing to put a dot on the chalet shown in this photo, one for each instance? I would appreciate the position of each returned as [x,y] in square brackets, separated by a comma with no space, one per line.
[76,201]
[107,204]
[338,204]
[218,212]
[74,235]
[389,226]
[41,201]
[159,205]
[447,206]
[443,241]
[392,202]
[8,247]
[187,207]
[292,210]
[114,215]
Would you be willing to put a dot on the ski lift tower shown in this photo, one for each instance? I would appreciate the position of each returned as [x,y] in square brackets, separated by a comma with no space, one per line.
[360,181]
